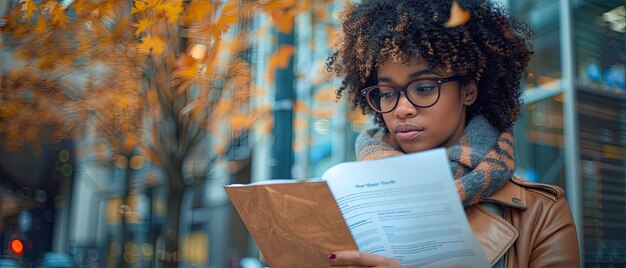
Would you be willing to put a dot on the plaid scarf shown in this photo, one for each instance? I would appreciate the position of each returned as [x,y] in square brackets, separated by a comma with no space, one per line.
[482,160]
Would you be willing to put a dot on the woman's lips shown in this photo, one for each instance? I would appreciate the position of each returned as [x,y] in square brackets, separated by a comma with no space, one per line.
[407,132]
[408,135]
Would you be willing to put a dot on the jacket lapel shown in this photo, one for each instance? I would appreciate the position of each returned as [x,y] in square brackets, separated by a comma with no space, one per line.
[494,233]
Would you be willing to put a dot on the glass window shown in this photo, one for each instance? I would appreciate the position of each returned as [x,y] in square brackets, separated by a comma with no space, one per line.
[543,17]
[539,133]
[599,28]
[602,124]
[539,140]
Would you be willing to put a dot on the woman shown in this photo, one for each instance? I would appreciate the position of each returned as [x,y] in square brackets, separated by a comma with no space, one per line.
[427,86]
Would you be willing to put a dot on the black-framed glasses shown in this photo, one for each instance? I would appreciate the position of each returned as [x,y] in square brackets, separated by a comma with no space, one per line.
[421,92]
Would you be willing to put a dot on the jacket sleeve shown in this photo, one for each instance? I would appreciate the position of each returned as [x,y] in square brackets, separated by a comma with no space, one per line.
[557,242]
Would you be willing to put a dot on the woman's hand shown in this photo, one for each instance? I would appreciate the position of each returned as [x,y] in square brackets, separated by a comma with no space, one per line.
[355,258]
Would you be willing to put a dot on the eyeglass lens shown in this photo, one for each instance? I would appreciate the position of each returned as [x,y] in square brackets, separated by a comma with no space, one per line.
[421,93]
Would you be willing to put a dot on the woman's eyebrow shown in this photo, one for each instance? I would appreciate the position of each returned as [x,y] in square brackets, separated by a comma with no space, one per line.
[411,76]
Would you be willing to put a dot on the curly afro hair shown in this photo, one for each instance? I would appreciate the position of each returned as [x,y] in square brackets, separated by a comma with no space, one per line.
[492,49]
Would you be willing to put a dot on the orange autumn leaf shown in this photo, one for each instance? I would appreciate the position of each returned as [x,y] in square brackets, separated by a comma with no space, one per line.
[279,60]
[223,107]
[198,10]
[356,116]
[229,15]
[323,113]
[142,5]
[321,13]
[300,123]
[151,45]
[332,36]
[284,12]
[141,26]
[171,9]
[41,26]
[28,7]
[325,95]
[458,15]
[298,146]
[57,13]
[186,72]
[240,122]
[300,107]
[256,91]
[277,4]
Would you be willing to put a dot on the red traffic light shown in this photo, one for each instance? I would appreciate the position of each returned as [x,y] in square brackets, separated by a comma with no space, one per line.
[16,246]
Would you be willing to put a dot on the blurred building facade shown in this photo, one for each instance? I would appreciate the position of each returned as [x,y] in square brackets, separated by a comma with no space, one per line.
[573,133]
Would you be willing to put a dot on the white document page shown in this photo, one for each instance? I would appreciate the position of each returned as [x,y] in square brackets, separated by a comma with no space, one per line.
[406,207]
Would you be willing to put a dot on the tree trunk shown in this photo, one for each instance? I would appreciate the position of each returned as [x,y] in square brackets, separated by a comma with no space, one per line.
[170,235]
[124,210]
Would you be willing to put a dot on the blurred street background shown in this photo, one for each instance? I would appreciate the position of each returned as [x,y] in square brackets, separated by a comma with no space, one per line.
[122,120]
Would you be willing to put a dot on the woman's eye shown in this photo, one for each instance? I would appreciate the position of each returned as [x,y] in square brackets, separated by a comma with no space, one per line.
[424,89]
[388,95]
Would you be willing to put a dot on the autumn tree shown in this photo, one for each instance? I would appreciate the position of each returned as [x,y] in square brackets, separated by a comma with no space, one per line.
[154,78]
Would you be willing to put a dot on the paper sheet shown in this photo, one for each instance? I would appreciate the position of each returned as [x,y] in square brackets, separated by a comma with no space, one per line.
[407,208]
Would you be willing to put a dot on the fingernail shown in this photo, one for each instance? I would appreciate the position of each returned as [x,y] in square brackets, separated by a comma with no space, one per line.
[332,256]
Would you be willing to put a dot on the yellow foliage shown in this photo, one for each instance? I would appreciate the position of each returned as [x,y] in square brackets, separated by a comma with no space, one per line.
[229,15]
[284,12]
[141,26]
[325,95]
[28,8]
[333,36]
[187,72]
[300,124]
[57,13]
[142,5]
[256,91]
[224,107]
[321,13]
[240,122]
[325,113]
[280,59]
[300,107]
[41,26]
[198,10]
[356,116]
[39,29]
[298,146]
[151,45]
[171,9]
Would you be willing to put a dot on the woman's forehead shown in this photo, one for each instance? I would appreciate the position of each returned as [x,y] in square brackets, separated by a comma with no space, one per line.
[414,64]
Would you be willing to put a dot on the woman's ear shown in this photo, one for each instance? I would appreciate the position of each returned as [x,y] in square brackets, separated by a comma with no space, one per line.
[470,93]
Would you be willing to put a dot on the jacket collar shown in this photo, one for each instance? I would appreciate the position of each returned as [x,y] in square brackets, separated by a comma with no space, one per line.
[493,232]
[511,194]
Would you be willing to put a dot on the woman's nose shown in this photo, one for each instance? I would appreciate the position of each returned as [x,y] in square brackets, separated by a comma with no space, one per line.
[405,108]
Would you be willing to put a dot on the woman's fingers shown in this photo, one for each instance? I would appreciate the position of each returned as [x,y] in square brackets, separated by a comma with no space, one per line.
[355,258]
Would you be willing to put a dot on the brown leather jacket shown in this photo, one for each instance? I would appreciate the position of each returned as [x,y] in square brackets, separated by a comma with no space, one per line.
[536,230]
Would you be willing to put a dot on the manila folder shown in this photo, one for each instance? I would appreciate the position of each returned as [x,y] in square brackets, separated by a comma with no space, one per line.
[294,224]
